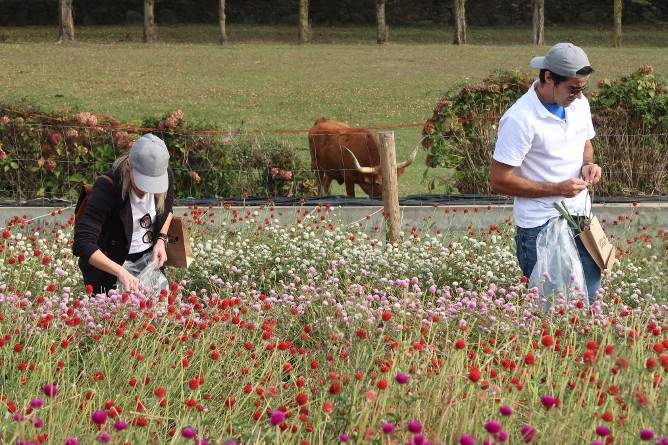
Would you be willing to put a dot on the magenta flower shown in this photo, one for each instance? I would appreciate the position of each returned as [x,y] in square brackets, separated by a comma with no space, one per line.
[50,390]
[71,441]
[505,410]
[502,436]
[528,433]
[104,437]
[488,441]
[602,430]
[548,401]
[466,439]
[414,426]
[343,437]
[388,428]
[401,378]
[493,426]
[201,441]
[36,403]
[98,417]
[277,417]
[38,422]
[646,434]
[120,425]
[663,440]
[188,432]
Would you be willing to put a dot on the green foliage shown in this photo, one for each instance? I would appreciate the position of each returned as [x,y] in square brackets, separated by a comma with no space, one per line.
[45,156]
[630,117]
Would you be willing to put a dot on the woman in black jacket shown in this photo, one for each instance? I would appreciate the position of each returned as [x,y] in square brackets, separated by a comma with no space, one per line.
[127,216]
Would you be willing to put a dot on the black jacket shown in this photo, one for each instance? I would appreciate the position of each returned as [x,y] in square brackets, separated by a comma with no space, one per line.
[106,225]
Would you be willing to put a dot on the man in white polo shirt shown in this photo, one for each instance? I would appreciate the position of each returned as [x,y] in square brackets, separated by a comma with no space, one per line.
[544,154]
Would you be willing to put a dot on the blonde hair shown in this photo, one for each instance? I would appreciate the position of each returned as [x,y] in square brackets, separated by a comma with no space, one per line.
[126,183]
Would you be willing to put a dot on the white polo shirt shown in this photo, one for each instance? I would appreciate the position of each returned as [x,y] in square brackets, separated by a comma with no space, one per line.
[544,148]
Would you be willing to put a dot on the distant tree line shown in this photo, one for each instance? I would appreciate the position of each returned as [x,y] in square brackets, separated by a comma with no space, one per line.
[305,13]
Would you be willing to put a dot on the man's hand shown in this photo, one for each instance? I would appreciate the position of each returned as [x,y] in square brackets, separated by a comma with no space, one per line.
[129,282]
[591,173]
[159,253]
[571,187]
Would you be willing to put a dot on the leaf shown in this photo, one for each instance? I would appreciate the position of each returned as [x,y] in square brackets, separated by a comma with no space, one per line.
[76,177]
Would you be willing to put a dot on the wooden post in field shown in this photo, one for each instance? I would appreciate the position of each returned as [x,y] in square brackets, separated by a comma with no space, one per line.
[388,165]
[617,30]
[304,28]
[381,23]
[65,21]
[149,21]
[221,22]
[538,22]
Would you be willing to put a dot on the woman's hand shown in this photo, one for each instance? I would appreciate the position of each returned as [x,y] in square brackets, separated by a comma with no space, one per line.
[129,282]
[159,253]
[591,173]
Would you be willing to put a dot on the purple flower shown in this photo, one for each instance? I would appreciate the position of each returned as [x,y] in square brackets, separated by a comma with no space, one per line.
[505,410]
[663,440]
[50,390]
[502,436]
[104,437]
[201,441]
[493,426]
[414,426]
[343,437]
[188,432]
[38,422]
[388,428]
[418,439]
[36,403]
[120,425]
[401,378]
[71,441]
[277,417]
[646,434]
[528,433]
[466,439]
[98,417]
[488,441]
[602,430]
[548,401]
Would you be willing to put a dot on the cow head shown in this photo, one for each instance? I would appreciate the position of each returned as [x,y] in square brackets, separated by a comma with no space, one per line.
[372,177]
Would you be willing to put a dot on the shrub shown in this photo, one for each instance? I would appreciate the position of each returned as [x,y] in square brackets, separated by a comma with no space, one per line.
[49,156]
[630,117]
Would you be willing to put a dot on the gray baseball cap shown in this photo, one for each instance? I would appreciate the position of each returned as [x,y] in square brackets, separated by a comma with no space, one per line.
[564,59]
[149,160]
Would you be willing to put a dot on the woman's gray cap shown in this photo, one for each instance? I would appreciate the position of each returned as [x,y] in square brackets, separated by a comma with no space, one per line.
[564,59]
[149,159]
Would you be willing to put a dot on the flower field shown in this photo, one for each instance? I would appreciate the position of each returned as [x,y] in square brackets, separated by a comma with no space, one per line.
[321,333]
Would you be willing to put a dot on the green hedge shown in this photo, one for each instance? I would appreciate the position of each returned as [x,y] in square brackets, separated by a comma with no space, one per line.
[630,116]
[50,156]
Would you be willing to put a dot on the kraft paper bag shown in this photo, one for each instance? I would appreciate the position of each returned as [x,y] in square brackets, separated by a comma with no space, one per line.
[179,252]
[597,244]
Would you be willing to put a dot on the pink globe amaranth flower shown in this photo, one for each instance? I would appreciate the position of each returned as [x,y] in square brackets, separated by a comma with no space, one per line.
[55,138]
[414,426]
[505,410]
[528,433]
[388,428]
[493,426]
[646,434]
[104,437]
[401,378]
[488,441]
[50,390]
[418,439]
[50,164]
[98,417]
[466,439]
[119,425]
[343,437]
[188,432]
[201,441]
[663,440]
[602,430]
[36,403]
[38,422]
[502,436]
[277,417]
[548,401]
[71,441]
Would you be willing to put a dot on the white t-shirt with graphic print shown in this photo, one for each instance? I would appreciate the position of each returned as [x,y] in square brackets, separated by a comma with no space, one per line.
[140,207]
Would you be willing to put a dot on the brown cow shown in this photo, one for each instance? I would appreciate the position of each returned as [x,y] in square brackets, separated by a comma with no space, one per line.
[348,155]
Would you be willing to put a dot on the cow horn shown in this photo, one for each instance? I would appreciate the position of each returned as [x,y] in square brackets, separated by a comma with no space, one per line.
[364,170]
[409,161]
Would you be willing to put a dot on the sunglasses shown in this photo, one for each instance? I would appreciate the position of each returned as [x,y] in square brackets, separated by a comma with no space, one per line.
[145,222]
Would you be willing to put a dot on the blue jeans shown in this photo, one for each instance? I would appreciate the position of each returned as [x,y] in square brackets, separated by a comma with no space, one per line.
[525,242]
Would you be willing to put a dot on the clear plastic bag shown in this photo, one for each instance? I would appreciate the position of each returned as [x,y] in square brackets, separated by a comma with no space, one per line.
[151,278]
[558,268]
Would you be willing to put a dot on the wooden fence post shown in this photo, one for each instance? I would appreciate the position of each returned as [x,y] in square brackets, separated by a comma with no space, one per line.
[388,165]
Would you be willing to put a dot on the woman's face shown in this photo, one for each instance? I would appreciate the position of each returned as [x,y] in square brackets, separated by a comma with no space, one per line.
[136,189]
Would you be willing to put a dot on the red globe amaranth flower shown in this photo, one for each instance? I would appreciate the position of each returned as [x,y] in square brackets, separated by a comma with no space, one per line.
[474,374]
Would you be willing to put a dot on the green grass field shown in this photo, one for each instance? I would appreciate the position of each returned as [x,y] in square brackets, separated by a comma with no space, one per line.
[267,81]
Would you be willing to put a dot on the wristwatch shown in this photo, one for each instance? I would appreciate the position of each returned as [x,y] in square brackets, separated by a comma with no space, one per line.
[162,236]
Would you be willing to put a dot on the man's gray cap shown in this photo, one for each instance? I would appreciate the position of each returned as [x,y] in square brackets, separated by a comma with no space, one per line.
[149,159]
[564,59]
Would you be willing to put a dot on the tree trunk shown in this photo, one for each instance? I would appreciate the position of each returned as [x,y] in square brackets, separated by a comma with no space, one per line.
[382,24]
[149,21]
[304,29]
[617,32]
[538,22]
[65,21]
[221,22]
[460,21]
